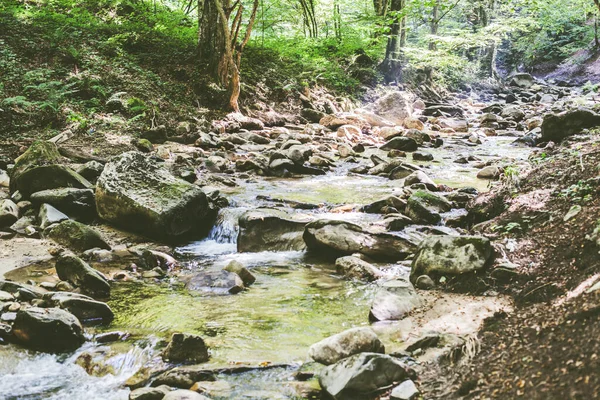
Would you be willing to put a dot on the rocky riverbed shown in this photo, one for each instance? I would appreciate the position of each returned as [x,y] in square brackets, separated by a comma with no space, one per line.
[263,258]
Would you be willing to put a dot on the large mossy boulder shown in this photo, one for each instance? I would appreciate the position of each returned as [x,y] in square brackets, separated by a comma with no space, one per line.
[136,193]
[78,272]
[556,127]
[425,207]
[362,376]
[48,329]
[451,255]
[333,238]
[76,236]
[270,230]
[41,168]
[186,348]
[345,344]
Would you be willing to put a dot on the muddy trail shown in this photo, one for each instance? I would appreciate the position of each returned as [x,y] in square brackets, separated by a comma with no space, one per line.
[347,255]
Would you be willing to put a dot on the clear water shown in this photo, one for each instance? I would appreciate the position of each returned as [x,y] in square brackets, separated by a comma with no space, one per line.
[295,302]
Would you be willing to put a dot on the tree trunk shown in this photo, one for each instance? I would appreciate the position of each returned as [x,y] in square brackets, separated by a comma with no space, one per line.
[392,64]
[435,23]
[219,47]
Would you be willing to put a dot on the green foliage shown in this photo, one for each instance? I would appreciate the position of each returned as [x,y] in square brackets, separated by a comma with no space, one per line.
[582,191]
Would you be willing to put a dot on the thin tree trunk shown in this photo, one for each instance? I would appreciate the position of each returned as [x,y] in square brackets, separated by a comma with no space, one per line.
[435,22]
[392,64]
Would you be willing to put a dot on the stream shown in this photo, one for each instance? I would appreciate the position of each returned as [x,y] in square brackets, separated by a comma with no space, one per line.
[296,301]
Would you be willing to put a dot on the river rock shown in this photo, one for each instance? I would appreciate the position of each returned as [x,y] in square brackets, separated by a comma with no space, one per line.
[77,203]
[48,329]
[184,377]
[78,272]
[521,80]
[184,395]
[407,390]
[420,177]
[401,143]
[9,213]
[394,107]
[238,268]
[186,348]
[394,300]
[91,170]
[556,127]
[49,215]
[268,229]
[451,255]
[489,172]
[215,281]
[361,375]
[157,393]
[138,194]
[84,308]
[40,168]
[425,207]
[330,237]
[353,341]
[355,268]
[76,236]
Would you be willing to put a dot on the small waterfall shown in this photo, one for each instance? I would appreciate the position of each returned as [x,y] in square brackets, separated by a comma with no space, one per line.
[226,227]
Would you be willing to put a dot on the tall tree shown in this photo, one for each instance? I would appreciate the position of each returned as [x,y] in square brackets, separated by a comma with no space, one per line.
[392,64]
[220,43]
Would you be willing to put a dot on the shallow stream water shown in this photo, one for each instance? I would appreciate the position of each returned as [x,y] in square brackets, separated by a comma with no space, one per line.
[296,301]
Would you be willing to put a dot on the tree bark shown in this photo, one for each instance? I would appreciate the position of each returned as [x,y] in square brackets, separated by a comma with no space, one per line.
[435,23]
[219,46]
[392,64]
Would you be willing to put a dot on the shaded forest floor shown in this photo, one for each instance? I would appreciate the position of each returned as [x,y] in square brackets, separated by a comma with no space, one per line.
[548,348]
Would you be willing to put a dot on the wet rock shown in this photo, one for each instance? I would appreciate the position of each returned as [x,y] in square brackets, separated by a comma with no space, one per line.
[377,206]
[84,308]
[49,215]
[236,121]
[355,268]
[48,329]
[444,110]
[420,177]
[521,80]
[337,347]
[186,348]
[407,390]
[394,107]
[184,377]
[270,230]
[401,143]
[361,376]
[556,127]
[215,281]
[157,393]
[425,207]
[424,282]
[457,125]
[489,172]
[4,179]
[184,395]
[394,300]
[91,170]
[396,222]
[331,237]
[77,203]
[136,193]
[239,269]
[9,213]
[422,156]
[76,236]
[40,168]
[218,389]
[451,255]
[78,272]
[513,113]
